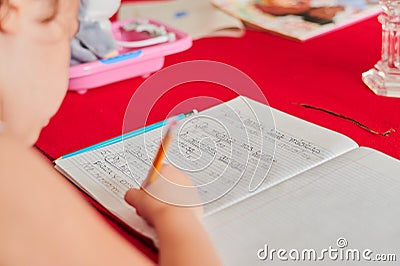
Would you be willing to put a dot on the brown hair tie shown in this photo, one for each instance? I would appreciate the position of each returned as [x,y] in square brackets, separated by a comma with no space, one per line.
[370,130]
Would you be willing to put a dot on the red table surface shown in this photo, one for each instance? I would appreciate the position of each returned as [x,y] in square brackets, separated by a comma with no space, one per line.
[324,72]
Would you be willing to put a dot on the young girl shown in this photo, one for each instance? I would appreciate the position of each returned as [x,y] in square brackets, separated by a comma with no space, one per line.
[44,220]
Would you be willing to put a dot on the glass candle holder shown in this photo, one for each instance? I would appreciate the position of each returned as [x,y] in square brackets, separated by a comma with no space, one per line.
[384,77]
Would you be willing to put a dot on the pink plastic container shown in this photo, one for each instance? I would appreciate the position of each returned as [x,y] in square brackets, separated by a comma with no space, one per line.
[132,62]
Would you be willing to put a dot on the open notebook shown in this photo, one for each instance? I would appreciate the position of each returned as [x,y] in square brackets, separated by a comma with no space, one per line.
[269,181]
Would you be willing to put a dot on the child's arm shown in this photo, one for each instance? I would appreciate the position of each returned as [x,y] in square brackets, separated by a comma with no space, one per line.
[182,238]
[45,221]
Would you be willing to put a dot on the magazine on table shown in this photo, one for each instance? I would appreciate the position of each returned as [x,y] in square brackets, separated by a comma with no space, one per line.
[299,19]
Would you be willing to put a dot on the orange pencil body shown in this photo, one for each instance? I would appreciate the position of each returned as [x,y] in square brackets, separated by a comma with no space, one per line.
[158,159]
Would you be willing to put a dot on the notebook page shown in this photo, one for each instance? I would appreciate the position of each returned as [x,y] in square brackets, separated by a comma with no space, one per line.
[107,185]
[297,146]
[354,197]
[225,150]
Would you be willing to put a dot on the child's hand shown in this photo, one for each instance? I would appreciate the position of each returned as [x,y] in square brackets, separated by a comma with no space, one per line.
[182,238]
[166,197]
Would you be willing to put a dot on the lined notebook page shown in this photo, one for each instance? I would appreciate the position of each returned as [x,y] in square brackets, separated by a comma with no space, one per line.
[298,146]
[355,196]
[228,151]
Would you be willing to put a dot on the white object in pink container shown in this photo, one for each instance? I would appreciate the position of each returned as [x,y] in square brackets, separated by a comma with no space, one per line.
[142,50]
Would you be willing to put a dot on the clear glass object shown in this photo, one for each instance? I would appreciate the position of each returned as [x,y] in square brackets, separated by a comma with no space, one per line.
[384,77]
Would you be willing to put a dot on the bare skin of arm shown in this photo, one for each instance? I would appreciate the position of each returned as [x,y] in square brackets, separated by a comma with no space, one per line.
[46,219]
[182,238]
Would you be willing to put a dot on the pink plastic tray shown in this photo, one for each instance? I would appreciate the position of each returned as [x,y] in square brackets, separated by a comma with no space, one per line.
[132,62]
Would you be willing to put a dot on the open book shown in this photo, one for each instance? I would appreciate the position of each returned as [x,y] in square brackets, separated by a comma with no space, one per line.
[268,180]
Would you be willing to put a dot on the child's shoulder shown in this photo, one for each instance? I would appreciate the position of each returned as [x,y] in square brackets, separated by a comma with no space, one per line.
[9,146]
[17,157]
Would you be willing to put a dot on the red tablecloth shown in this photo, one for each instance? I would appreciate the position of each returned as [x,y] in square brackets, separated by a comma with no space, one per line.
[324,72]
